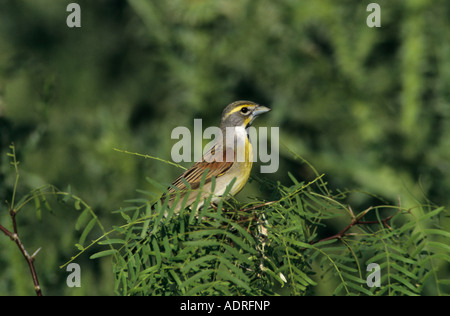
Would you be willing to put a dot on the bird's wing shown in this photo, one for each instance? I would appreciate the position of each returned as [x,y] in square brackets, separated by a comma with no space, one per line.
[194,174]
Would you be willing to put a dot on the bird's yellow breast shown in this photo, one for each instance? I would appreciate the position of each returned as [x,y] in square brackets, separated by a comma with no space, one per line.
[242,169]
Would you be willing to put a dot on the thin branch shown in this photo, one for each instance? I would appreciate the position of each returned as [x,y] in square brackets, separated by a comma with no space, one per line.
[30,259]
[258,206]
[6,232]
[14,235]
[150,157]
[13,218]
[356,221]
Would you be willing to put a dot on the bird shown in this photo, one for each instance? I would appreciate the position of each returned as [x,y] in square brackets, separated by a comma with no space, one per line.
[221,161]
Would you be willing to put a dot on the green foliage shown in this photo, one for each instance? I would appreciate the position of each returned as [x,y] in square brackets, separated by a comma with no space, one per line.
[262,248]
[270,248]
[43,201]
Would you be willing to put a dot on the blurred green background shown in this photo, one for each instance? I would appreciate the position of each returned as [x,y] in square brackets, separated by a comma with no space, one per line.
[369,107]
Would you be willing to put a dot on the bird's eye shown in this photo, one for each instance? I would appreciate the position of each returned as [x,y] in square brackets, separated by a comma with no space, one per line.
[244,110]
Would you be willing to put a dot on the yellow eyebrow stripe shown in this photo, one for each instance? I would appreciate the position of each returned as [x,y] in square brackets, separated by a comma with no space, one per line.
[236,110]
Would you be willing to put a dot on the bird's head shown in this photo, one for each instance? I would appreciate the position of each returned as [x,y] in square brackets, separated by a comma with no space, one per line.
[241,114]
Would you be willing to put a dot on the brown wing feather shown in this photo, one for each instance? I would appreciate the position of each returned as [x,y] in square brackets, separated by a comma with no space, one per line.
[194,174]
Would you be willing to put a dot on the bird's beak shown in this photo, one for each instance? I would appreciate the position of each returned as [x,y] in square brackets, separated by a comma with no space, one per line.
[261,110]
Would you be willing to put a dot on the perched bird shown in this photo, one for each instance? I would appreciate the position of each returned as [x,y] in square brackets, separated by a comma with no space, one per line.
[230,157]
